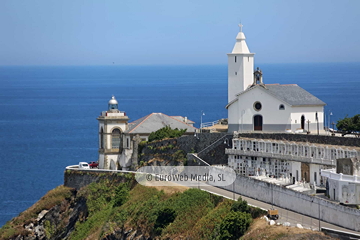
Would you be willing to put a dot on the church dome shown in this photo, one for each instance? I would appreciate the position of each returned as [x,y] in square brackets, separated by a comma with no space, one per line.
[113,101]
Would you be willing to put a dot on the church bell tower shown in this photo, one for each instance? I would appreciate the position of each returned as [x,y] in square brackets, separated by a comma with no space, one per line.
[240,67]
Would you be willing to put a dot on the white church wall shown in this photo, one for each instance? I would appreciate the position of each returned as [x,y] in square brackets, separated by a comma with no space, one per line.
[309,114]
[274,120]
[234,120]
[240,73]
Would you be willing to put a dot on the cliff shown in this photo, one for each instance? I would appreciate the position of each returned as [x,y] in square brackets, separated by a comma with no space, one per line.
[113,206]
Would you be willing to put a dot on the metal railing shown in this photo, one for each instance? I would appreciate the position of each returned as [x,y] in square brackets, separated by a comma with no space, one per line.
[209,124]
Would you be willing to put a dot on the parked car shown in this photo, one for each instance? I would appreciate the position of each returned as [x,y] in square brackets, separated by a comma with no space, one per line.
[93,164]
[84,165]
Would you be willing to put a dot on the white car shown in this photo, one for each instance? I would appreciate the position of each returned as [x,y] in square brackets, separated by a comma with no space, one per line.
[84,165]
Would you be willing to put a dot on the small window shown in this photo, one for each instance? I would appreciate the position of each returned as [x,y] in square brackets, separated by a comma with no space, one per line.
[235,58]
[248,59]
[281,107]
[235,73]
[257,106]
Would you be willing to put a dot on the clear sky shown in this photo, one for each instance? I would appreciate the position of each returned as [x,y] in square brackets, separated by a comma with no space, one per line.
[148,32]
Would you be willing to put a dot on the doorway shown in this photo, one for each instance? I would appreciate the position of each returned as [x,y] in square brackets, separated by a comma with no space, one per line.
[302,122]
[258,122]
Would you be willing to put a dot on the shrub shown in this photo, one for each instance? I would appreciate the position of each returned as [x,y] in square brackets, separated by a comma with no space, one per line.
[121,194]
[164,218]
[240,206]
[234,225]
[166,132]
[257,212]
[179,156]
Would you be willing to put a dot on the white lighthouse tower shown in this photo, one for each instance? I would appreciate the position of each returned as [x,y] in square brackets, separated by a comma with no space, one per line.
[112,125]
[240,67]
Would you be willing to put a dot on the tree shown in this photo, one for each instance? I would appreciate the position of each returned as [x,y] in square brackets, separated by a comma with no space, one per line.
[166,132]
[349,124]
[234,225]
[240,206]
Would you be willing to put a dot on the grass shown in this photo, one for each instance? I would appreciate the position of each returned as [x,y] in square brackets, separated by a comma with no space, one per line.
[117,204]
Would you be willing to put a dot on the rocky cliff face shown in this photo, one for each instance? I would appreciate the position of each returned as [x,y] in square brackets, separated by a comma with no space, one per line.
[55,223]
[61,210]
[59,222]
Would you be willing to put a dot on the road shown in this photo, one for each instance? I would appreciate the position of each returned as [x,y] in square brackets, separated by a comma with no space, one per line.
[285,215]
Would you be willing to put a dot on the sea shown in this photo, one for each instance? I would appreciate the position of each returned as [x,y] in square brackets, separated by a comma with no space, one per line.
[48,113]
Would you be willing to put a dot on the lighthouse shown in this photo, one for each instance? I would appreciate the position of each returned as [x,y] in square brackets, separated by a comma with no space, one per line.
[113,123]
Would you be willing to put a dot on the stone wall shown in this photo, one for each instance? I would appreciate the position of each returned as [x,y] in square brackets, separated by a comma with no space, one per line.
[308,205]
[77,179]
[320,139]
[210,146]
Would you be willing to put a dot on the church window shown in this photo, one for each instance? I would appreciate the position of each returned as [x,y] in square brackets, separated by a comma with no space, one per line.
[235,58]
[281,107]
[115,138]
[257,106]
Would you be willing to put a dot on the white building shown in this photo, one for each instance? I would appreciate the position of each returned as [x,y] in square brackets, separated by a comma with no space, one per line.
[255,106]
[298,161]
[114,145]
[343,182]
[118,139]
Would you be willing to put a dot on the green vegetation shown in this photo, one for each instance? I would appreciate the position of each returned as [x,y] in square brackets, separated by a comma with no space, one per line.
[234,225]
[121,194]
[166,132]
[179,156]
[113,205]
[349,124]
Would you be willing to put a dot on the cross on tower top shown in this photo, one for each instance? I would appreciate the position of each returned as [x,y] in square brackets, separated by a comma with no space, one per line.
[241,26]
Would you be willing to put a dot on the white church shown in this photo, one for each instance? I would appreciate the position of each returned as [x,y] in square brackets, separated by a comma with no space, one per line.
[256,106]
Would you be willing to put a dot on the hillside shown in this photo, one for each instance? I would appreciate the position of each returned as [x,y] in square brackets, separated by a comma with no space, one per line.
[119,209]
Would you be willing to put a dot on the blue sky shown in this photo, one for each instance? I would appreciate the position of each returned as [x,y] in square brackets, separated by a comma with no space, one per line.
[190,32]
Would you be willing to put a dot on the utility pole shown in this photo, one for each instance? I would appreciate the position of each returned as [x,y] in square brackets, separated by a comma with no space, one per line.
[202,113]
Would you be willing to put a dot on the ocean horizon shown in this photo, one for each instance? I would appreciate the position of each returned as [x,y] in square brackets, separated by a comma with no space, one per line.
[48,113]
